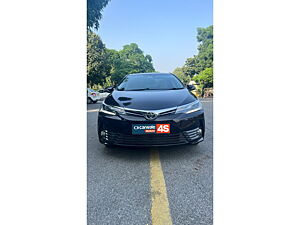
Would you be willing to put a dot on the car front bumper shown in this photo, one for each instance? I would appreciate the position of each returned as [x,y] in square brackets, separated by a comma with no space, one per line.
[184,129]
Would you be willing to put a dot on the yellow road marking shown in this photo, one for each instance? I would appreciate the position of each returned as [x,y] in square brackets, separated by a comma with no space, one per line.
[93,110]
[160,211]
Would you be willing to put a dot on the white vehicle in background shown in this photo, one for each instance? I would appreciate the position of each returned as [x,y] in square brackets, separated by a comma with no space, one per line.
[103,94]
[92,96]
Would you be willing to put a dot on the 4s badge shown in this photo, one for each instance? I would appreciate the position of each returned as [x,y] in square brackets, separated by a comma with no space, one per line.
[163,128]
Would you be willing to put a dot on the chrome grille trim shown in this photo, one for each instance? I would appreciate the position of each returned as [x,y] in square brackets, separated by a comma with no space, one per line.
[133,113]
[159,112]
[193,134]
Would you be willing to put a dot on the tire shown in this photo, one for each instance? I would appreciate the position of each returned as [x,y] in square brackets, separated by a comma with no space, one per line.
[95,101]
[89,100]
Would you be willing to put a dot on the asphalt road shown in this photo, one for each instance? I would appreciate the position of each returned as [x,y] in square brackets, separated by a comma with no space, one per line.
[118,189]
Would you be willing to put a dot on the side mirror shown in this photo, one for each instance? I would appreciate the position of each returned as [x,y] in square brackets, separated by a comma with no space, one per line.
[190,87]
[109,89]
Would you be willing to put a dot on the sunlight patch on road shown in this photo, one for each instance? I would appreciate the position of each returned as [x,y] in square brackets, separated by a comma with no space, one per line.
[160,211]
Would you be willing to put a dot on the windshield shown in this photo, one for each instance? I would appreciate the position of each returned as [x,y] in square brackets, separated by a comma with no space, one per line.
[150,82]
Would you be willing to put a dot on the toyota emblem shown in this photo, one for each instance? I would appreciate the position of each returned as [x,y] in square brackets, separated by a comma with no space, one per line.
[150,115]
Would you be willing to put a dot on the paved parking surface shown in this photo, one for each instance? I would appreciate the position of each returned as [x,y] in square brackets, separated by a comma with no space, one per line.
[119,180]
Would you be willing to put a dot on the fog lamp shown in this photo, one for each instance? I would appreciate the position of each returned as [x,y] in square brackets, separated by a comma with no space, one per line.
[103,133]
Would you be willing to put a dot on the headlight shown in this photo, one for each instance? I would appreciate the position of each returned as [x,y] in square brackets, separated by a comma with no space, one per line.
[189,108]
[111,110]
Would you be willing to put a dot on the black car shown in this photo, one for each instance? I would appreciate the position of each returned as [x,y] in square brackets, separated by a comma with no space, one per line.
[151,109]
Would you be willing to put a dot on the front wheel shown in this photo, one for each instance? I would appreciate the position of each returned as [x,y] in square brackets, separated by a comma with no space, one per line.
[89,100]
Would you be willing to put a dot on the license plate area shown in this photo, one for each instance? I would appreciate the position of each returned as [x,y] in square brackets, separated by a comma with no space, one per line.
[139,129]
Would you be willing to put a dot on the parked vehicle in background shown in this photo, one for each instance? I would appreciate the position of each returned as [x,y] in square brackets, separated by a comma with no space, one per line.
[103,94]
[92,96]
[208,92]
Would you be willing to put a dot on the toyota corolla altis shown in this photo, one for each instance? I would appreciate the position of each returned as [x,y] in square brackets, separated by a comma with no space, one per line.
[151,109]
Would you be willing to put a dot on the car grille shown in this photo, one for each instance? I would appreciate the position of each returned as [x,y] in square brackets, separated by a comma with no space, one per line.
[146,140]
[143,113]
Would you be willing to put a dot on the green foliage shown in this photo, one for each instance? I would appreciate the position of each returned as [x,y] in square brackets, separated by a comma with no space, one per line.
[106,67]
[205,78]
[205,38]
[181,75]
[130,59]
[204,59]
[98,67]
[108,82]
[191,66]
[94,9]
[205,35]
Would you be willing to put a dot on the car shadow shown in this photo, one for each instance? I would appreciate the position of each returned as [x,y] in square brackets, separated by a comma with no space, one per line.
[125,153]
[139,153]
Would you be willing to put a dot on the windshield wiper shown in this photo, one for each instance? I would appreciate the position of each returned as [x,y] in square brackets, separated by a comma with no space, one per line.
[177,88]
[143,89]
[140,89]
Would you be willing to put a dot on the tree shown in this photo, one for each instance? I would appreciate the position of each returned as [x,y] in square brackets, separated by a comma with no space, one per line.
[94,9]
[191,66]
[107,66]
[181,75]
[204,58]
[205,39]
[118,66]
[205,78]
[98,67]
[205,35]
[130,59]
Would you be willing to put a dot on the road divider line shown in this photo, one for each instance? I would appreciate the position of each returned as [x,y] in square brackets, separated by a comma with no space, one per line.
[160,211]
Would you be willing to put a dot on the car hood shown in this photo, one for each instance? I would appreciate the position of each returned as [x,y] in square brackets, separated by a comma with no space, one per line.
[150,99]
